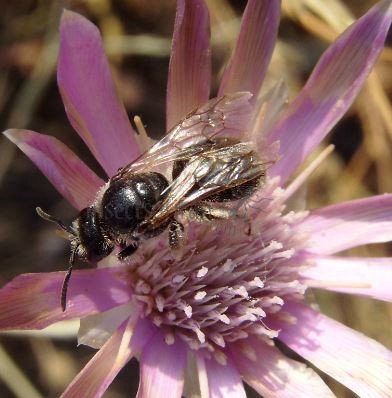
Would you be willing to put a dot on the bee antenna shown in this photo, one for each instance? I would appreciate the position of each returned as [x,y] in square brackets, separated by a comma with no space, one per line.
[58,222]
[64,287]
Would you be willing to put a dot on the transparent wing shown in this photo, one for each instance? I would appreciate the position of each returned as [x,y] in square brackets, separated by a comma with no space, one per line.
[227,116]
[206,174]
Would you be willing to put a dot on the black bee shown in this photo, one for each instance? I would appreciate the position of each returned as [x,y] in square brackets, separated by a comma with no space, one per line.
[209,167]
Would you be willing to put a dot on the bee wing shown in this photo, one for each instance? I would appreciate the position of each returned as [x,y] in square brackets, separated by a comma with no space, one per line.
[227,115]
[209,173]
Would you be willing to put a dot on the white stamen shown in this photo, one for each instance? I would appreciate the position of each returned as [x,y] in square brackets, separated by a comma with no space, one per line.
[160,302]
[188,311]
[272,334]
[285,254]
[241,291]
[246,317]
[202,272]
[218,339]
[225,319]
[275,300]
[228,265]
[258,311]
[257,282]
[200,335]
[273,246]
[200,295]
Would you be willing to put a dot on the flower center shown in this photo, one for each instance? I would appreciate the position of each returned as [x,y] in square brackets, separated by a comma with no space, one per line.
[225,282]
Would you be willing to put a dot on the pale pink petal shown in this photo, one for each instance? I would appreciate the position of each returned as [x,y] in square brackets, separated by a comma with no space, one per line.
[68,174]
[359,222]
[356,361]
[90,100]
[273,375]
[331,89]
[252,53]
[32,301]
[224,381]
[268,110]
[162,368]
[97,375]
[189,78]
[369,277]
[96,329]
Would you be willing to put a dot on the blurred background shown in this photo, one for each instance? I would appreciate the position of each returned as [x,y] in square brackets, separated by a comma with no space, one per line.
[137,37]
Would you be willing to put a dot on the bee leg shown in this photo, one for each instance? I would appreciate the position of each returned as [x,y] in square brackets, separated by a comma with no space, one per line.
[128,251]
[176,234]
[208,212]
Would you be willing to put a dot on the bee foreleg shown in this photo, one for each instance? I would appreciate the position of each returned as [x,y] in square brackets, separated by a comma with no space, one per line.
[128,251]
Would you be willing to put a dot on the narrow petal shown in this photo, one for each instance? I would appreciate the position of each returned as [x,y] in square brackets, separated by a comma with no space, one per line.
[356,361]
[96,329]
[162,369]
[369,277]
[273,375]
[189,78]
[268,107]
[32,301]
[359,222]
[98,374]
[224,381]
[90,100]
[68,174]
[331,89]
[252,53]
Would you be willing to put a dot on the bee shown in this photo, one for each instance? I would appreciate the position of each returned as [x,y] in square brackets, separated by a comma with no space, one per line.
[209,168]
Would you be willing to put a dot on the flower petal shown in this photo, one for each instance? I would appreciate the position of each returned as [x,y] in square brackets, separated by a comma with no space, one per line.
[162,368]
[96,329]
[273,375]
[331,89]
[90,100]
[252,53]
[189,78]
[32,301]
[339,227]
[68,174]
[97,375]
[356,361]
[224,381]
[363,276]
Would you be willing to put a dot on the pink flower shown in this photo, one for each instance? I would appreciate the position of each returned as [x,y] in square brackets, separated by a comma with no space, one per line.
[216,313]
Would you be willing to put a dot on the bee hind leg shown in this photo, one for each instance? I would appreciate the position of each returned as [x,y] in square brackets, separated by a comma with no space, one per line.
[208,212]
[176,234]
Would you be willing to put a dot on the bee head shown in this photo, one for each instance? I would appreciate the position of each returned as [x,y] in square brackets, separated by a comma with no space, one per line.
[88,241]
[92,241]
